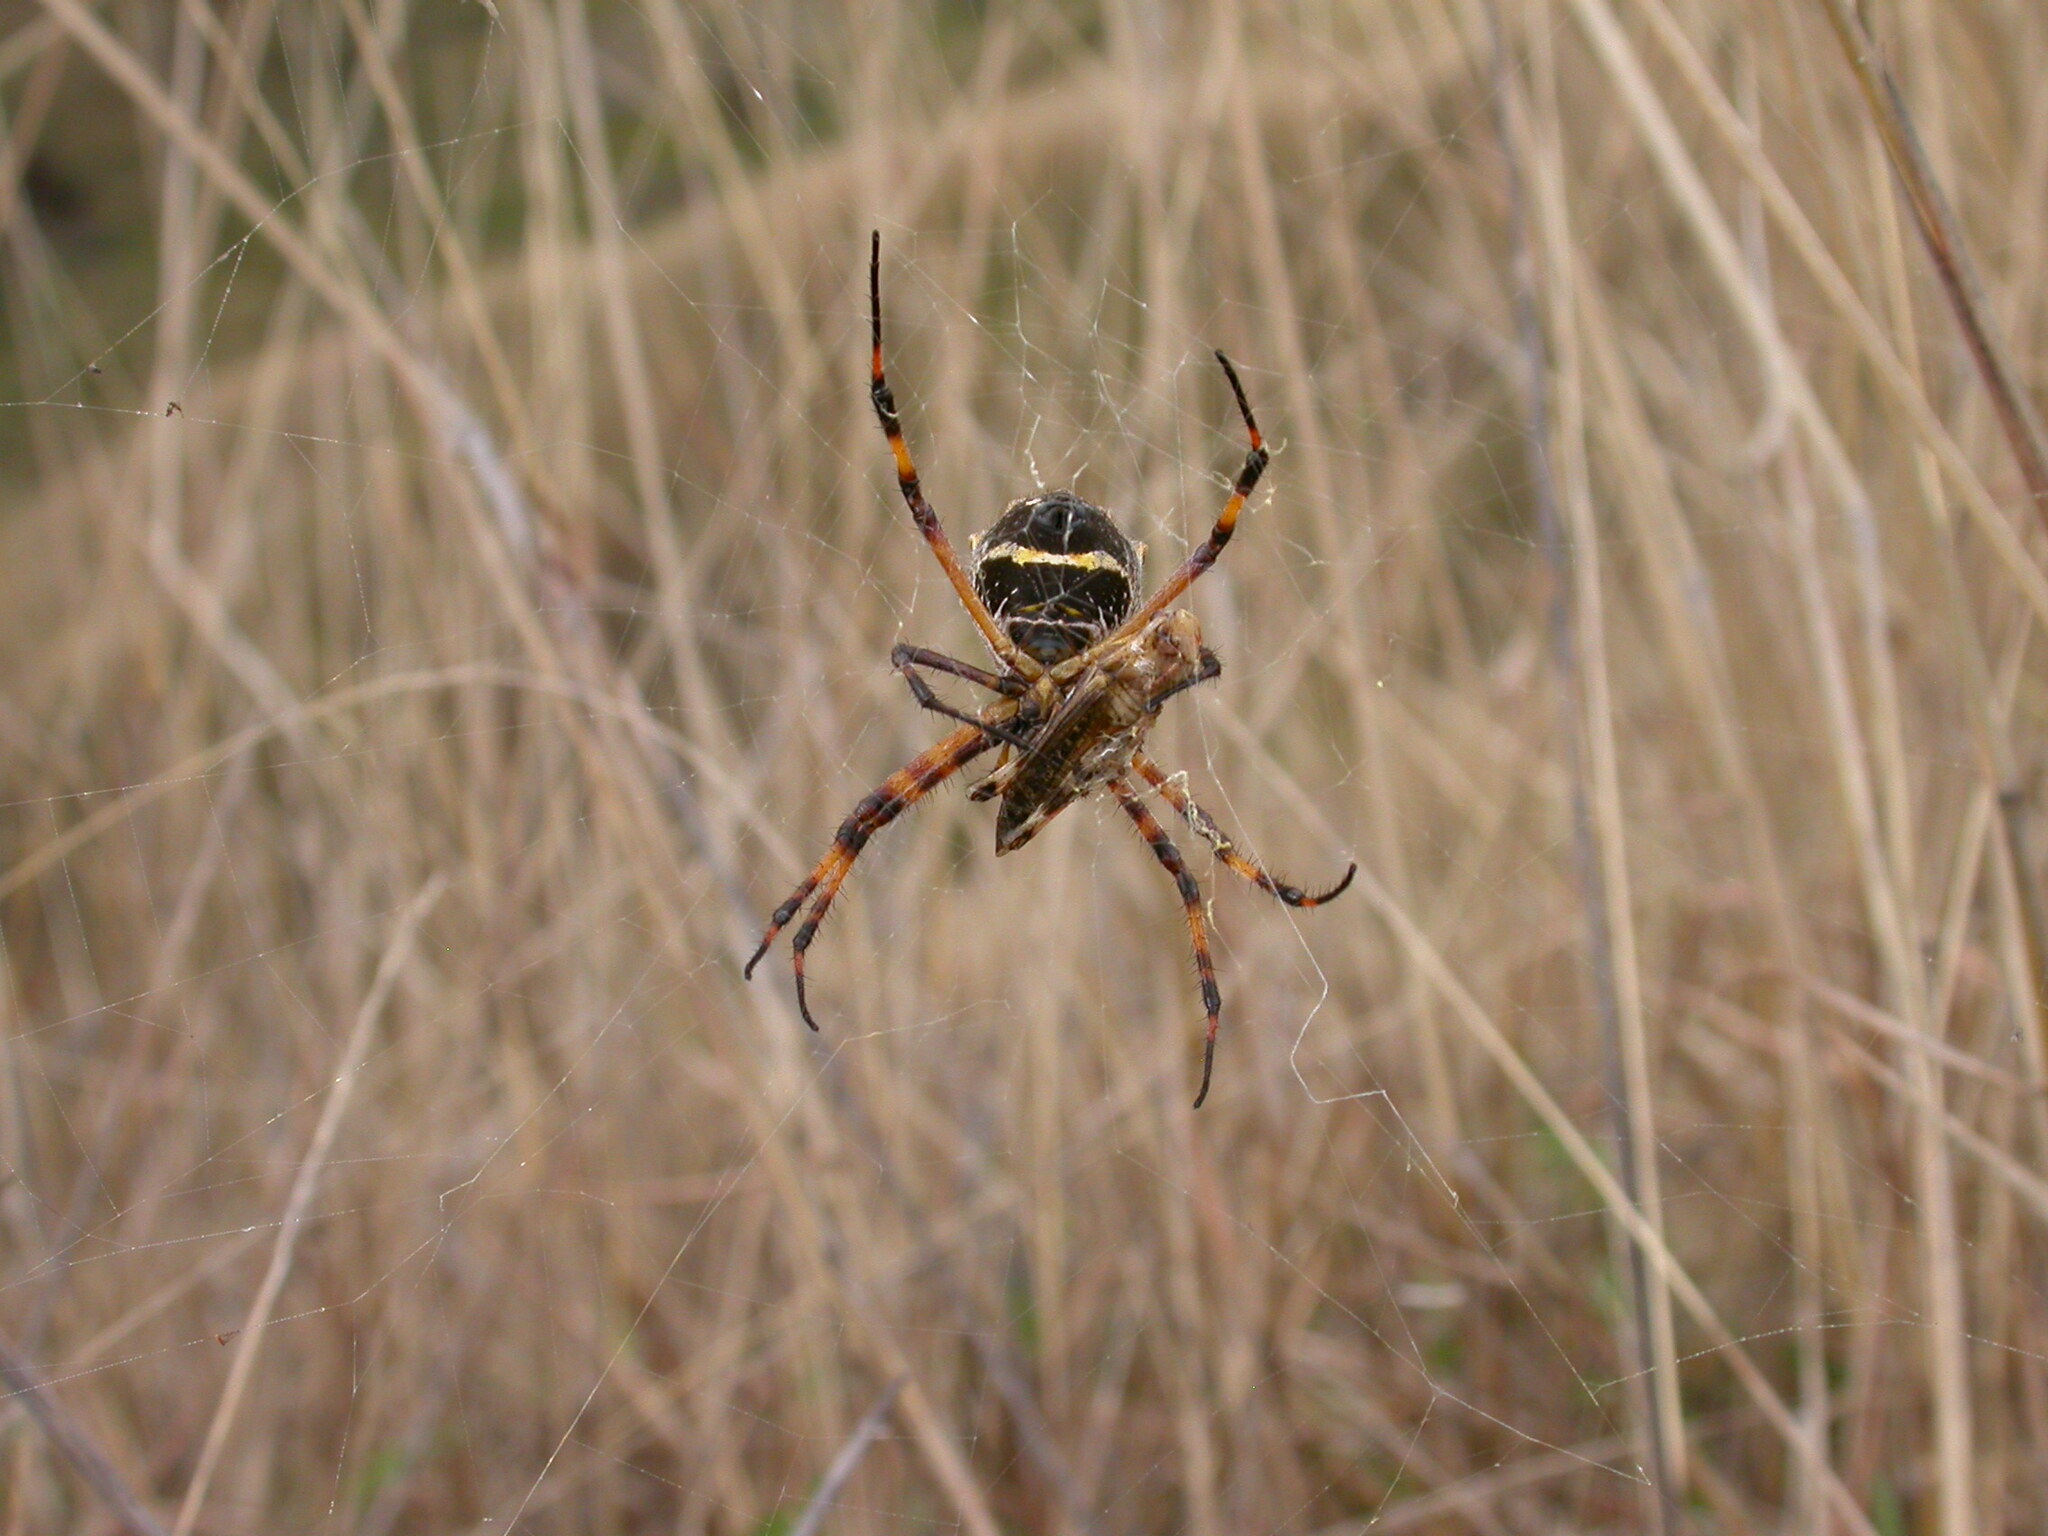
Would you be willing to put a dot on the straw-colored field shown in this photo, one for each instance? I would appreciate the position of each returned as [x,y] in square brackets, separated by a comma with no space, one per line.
[405,735]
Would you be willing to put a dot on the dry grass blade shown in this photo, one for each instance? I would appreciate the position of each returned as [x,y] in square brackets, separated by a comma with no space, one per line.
[1578,643]
[844,1465]
[1618,1203]
[86,1459]
[250,1336]
[525,518]
[1945,248]
[1852,1007]
[1774,352]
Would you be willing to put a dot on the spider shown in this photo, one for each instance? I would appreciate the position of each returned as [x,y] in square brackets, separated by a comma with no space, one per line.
[1052,589]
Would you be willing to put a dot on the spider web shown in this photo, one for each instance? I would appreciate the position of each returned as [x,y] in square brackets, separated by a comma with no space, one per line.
[454,566]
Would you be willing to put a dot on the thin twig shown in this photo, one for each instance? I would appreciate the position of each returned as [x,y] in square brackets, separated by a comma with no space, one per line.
[1486,1033]
[1937,225]
[396,954]
[25,1385]
[1849,1006]
[1587,863]
[1936,222]
[836,1477]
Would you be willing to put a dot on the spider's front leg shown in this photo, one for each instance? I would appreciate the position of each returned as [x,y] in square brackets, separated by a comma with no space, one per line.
[1207,670]
[905,658]
[1010,687]
[1205,553]
[907,482]
[895,795]
[1198,925]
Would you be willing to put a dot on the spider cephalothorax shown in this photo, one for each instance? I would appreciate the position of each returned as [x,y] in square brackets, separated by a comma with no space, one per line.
[1085,671]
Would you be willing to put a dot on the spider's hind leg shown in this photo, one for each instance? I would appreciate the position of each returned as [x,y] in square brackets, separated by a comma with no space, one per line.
[1198,923]
[1208,831]
[895,795]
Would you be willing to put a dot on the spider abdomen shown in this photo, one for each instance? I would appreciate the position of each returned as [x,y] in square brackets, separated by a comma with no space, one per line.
[1057,574]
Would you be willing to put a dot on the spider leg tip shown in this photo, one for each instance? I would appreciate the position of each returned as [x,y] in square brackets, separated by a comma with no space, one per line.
[1244,409]
[747,970]
[1318,898]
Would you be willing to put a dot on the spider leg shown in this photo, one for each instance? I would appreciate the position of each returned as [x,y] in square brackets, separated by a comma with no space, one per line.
[922,692]
[1208,831]
[1191,899]
[935,661]
[905,657]
[895,795]
[1209,669]
[1205,553]
[921,511]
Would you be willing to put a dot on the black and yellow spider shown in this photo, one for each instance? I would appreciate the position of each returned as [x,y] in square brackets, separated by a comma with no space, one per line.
[1083,677]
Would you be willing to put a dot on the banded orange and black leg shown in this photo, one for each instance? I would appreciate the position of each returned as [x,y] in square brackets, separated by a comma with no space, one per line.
[921,511]
[1205,554]
[1206,828]
[890,799]
[1198,923]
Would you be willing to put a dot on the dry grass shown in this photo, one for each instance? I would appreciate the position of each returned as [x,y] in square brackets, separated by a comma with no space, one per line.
[401,744]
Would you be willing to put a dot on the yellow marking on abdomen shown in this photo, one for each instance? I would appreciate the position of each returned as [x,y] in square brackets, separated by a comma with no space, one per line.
[1082,560]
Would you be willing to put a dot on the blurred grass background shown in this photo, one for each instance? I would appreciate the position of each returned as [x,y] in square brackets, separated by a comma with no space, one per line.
[404,736]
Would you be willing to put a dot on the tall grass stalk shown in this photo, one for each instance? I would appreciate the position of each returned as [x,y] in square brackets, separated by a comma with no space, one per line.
[522,533]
